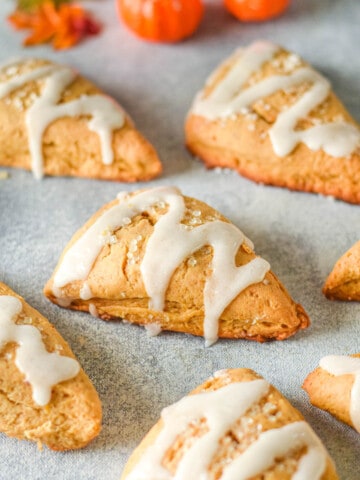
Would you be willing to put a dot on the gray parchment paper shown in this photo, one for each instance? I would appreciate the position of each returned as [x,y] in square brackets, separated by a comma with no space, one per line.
[301,235]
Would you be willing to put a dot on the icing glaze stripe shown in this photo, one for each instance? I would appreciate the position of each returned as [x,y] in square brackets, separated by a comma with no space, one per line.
[169,245]
[346,365]
[252,60]
[20,80]
[105,114]
[221,409]
[337,138]
[42,369]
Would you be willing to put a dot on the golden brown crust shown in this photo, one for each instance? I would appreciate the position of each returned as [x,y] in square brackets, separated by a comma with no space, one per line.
[71,419]
[273,411]
[261,312]
[331,393]
[242,143]
[343,283]
[69,147]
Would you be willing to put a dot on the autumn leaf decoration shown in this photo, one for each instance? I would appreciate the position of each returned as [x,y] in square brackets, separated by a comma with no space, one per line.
[60,22]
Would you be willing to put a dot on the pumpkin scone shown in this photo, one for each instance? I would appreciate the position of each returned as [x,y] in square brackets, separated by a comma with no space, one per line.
[55,122]
[234,426]
[170,262]
[335,387]
[343,283]
[267,114]
[45,396]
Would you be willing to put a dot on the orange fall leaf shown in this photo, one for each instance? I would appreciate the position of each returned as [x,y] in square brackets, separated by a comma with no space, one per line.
[64,26]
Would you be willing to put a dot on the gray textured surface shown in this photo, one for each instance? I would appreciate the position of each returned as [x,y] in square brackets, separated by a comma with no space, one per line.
[302,235]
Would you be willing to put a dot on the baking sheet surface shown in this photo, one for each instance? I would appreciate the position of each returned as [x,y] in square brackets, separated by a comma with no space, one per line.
[301,235]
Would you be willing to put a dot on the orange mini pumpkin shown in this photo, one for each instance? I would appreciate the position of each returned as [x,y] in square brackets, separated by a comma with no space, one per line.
[256,10]
[161,20]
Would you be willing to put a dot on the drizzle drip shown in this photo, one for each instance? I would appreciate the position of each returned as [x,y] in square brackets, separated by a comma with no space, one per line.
[85,292]
[221,409]
[338,138]
[106,115]
[168,246]
[346,365]
[42,369]
[152,329]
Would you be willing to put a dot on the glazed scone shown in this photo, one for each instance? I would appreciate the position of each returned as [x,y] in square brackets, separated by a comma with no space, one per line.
[169,262]
[267,114]
[55,122]
[335,387]
[45,396]
[343,283]
[234,426]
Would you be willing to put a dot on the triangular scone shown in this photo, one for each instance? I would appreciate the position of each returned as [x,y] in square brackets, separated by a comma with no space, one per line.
[335,387]
[235,425]
[170,262]
[267,114]
[343,283]
[55,122]
[45,396]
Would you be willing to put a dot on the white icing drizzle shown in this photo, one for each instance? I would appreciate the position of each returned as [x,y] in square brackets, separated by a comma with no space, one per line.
[42,369]
[338,138]
[276,443]
[346,365]
[85,292]
[152,329]
[106,114]
[93,310]
[221,409]
[169,245]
